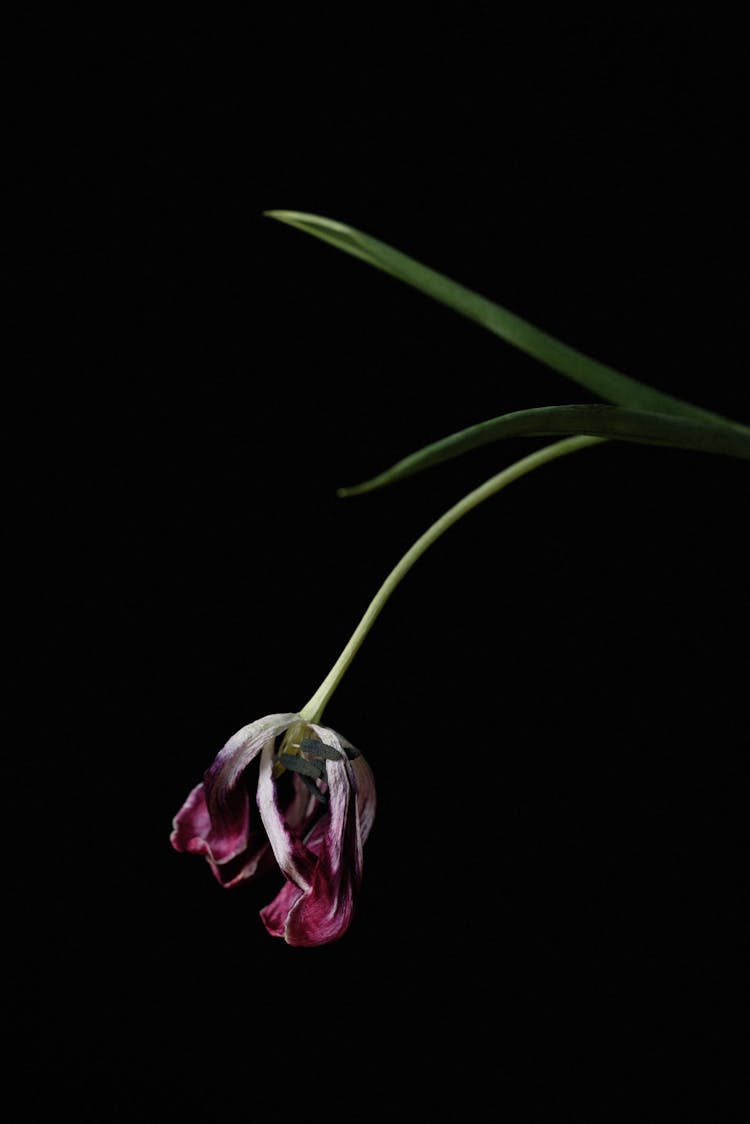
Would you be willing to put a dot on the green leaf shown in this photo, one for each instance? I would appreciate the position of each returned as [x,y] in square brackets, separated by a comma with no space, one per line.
[605,382]
[615,422]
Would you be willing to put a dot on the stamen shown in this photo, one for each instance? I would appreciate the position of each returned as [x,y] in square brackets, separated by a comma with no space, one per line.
[301,765]
[315,748]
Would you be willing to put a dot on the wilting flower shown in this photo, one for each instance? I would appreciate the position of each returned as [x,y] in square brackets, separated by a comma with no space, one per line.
[315,796]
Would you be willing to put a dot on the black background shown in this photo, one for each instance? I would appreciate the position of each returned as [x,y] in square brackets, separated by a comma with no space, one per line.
[553,922]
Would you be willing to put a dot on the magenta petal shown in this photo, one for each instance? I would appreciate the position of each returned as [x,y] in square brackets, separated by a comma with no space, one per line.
[323,872]
[366,800]
[215,820]
[294,859]
[364,780]
[192,832]
[192,824]
[325,912]
[275,914]
[226,795]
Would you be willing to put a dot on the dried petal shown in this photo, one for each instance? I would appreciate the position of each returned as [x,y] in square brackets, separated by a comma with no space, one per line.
[215,820]
[325,871]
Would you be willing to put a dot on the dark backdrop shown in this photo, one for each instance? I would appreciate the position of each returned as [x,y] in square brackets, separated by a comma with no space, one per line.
[554,913]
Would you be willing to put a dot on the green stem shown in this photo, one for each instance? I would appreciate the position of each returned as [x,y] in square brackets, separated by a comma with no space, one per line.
[312,711]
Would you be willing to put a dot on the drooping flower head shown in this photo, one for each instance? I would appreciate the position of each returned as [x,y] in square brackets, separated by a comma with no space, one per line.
[294,794]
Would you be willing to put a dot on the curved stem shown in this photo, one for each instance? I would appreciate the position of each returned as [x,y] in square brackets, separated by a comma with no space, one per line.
[312,711]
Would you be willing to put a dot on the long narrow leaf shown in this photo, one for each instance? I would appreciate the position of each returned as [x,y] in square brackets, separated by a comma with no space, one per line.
[605,382]
[612,422]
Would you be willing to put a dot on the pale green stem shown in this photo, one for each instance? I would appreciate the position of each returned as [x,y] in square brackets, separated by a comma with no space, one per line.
[312,711]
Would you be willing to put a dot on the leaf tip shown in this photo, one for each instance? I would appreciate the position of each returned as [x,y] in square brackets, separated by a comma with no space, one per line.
[359,489]
[356,489]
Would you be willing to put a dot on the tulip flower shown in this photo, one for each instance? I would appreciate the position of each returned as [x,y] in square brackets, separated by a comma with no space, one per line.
[313,810]
[314,792]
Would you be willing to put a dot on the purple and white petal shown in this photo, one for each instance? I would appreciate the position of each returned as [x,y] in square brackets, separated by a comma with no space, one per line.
[192,833]
[366,799]
[293,857]
[363,776]
[324,911]
[192,824]
[274,915]
[215,819]
[302,809]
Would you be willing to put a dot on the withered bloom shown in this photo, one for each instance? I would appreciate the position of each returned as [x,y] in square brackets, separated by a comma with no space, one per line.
[313,810]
